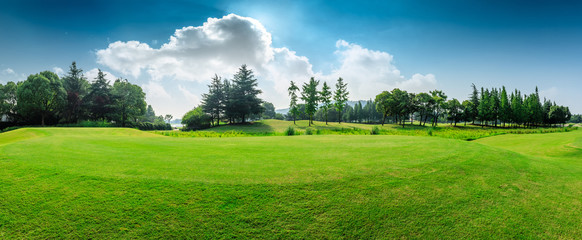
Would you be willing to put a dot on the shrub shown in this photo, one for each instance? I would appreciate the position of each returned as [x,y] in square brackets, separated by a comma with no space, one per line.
[290,131]
[375,130]
[429,131]
[196,119]
[309,131]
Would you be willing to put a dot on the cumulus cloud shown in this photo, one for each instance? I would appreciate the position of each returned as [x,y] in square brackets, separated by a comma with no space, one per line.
[221,45]
[59,71]
[92,74]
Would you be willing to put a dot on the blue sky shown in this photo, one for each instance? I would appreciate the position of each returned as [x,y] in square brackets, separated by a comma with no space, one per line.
[415,45]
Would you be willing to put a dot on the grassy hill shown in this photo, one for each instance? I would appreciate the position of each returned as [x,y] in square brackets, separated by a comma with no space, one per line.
[124,183]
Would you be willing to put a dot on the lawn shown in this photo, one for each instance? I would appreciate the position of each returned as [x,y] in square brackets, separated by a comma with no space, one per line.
[125,183]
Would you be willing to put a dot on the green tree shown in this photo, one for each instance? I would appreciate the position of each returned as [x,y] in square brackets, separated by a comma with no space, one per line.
[467,114]
[310,96]
[269,110]
[168,118]
[454,110]
[76,86]
[149,115]
[41,95]
[128,102]
[505,107]
[484,107]
[213,102]
[383,104]
[425,103]
[340,97]
[439,99]
[196,119]
[244,95]
[99,98]
[474,111]
[8,99]
[293,108]
[325,96]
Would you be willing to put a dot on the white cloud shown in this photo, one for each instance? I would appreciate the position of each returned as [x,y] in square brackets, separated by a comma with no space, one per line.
[193,99]
[92,74]
[59,71]
[8,71]
[221,45]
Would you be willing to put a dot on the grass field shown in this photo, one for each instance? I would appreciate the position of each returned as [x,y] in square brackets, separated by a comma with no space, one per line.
[124,183]
[277,128]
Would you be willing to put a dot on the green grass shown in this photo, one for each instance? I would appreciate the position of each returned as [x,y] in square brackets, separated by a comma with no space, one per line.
[125,183]
[278,128]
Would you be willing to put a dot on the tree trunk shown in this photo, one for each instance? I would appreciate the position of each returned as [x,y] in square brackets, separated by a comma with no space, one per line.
[42,119]
[383,119]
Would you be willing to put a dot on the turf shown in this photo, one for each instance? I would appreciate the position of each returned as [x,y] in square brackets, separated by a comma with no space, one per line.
[124,183]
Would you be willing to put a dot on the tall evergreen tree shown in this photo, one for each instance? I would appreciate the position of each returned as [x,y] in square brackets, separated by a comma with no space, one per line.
[99,99]
[293,108]
[76,86]
[311,97]
[484,107]
[340,97]
[325,97]
[474,111]
[213,101]
[245,93]
[505,107]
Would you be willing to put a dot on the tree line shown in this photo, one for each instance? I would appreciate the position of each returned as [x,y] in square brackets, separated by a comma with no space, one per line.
[487,107]
[44,99]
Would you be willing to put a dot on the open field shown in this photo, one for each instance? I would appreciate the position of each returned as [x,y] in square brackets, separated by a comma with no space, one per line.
[124,183]
[277,128]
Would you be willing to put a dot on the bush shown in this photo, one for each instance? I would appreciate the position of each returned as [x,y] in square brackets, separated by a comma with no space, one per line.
[429,131]
[290,131]
[375,130]
[153,126]
[196,119]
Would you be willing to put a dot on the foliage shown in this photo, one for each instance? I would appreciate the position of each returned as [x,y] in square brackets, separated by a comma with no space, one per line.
[128,101]
[290,131]
[41,96]
[269,110]
[196,119]
[310,95]
[325,98]
[340,97]
[244,94]
[76,86]
[213,102]
[99,98]
[293,109]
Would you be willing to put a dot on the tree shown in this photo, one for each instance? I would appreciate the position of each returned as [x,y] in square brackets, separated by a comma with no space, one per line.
[196,119]
[505,107]
[455,111]
[168,118]
[213,102]
[41,95]
[244,96]
[467,114]
[76,86]
[269,110]
[399,105]
[311,98]
[149,115]
[474,111]
[8,99]
[439,99]
[425,104]
[484,107]
[325,96]
[340,97]
[99,98]
[293,109]
[383,104]
[128,101]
